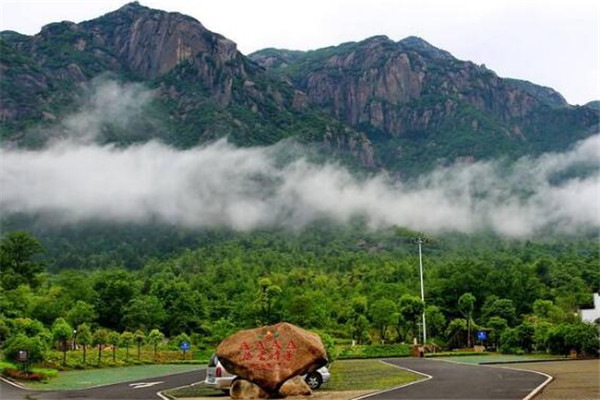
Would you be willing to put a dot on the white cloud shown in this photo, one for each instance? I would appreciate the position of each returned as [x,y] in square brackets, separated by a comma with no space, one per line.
[219,184]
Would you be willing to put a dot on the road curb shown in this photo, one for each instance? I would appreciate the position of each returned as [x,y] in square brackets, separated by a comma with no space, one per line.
[15,384]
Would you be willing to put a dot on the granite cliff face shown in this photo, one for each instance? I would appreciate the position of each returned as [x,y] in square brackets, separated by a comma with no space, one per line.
[403,106]
[203,87]
[380,83]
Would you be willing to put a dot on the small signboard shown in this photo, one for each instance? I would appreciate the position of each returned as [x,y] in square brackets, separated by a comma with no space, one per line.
[185,346]
[22,356]
[481,335]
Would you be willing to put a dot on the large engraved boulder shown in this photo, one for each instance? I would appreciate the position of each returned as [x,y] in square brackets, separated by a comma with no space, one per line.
[270,355]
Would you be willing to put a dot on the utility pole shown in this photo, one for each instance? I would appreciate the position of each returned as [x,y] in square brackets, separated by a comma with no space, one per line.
[420,241]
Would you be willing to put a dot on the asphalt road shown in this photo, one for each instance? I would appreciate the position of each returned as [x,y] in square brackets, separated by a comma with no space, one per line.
[449,381]
[144,389]
[462,381]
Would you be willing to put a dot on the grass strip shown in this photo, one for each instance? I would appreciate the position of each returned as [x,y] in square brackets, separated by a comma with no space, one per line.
[106,376]
[367,375]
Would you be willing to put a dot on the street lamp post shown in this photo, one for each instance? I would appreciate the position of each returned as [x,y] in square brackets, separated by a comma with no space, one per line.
[420,241]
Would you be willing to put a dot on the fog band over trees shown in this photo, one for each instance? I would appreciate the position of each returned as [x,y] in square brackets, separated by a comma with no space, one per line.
[76,179]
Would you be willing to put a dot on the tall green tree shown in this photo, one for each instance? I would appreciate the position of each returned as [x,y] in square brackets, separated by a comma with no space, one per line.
[265,299]
[62,332]
[84,337]
[466,305]
[144,312]
[503,308]
[99,339]
[155,337]
[139,337]
[80,313]
[115,287]
[17,253]
[113,339]
[382,313]
[436,321]
[411,310]
[126,341]
[360,323]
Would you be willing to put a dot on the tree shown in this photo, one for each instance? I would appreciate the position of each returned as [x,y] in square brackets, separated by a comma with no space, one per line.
[144,312]
[360,323]
[361,329]
[84,337]
[81,312]
[139,338]
[126,341]
[546,310]
[503,308]
[411,309]
[455,332]
[382,313]
[113,339]
[265,298]
[62,332]
[436,321]
[154,338]
[115,289]
[517,340]
[17,250]
[99,339]
[497,325]
[466,304]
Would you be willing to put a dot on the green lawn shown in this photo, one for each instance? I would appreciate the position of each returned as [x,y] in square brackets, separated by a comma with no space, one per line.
[106,376]
[367,375]
[501,358]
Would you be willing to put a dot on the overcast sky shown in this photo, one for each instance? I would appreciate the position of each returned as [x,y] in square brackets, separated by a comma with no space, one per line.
[549,42]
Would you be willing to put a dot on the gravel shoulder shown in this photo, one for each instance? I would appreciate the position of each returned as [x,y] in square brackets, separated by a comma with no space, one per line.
[573,380]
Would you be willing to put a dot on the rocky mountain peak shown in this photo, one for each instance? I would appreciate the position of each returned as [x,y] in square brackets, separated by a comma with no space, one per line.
[152,42]
[423,47]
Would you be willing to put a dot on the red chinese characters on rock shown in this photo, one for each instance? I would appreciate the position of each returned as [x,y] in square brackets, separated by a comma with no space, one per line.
[268,353]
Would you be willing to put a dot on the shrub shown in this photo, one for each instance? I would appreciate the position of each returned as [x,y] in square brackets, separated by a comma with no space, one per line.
[581,337]
[23,375]
[35,346]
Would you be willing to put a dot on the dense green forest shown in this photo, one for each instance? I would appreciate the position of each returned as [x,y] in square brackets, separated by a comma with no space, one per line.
[348,283]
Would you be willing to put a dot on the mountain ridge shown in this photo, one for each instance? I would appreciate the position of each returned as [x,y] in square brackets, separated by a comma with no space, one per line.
[402,106]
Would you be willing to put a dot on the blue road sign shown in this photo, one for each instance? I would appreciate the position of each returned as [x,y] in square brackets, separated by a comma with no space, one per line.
[184,346]
[481,335]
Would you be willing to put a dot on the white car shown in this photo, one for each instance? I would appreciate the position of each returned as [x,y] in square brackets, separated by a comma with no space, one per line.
[217,376]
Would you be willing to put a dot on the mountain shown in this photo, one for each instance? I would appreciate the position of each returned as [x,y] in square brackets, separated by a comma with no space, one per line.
[204,88]
[418,102]
[403,106]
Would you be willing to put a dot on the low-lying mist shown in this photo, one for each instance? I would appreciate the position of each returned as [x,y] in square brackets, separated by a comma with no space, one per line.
[245,188]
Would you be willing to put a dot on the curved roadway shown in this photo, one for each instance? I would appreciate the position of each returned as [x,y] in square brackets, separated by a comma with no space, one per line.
[450,380]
